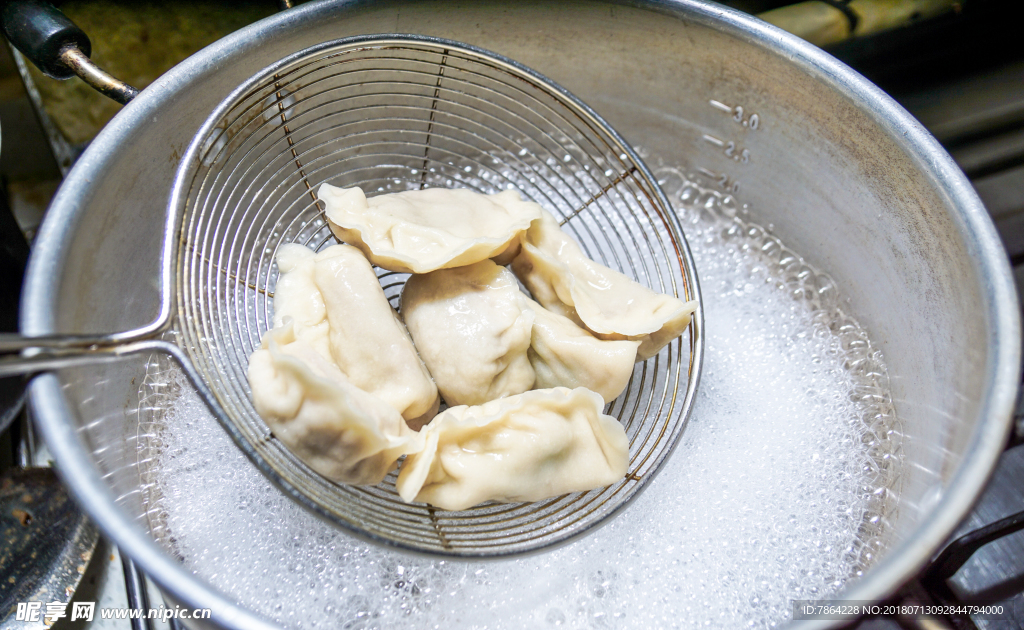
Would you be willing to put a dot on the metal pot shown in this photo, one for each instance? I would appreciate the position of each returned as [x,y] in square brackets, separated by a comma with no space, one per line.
[839,171]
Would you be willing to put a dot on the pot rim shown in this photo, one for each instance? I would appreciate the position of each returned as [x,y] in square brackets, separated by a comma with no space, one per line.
[899,565]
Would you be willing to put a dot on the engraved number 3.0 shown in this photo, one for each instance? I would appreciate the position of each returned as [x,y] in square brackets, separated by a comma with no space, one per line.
[752,123]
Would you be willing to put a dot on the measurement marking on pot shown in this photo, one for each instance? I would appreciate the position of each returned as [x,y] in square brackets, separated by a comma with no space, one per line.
[738,154]
[713,140]
[752,122]
[721,179]
[731,150]
[720,105]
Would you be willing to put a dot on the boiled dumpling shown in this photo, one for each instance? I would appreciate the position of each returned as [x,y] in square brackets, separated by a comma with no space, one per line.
[338,308]
[482,339]
[297,298]
[368,341]
[529,447]
[472,328]
[337,429]
[564,355]
[423,230]
[606,302]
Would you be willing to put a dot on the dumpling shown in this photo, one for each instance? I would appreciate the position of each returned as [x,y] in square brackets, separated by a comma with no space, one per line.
[297,298]
[367,339]
[564,355]
[420,231]
[337,307]
[606,302]
[337,429]
[529,447]
[483,339]
[472,328]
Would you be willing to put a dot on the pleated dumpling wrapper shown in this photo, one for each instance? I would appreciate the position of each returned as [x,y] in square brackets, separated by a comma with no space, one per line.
[482,338]
[357,328]
[540,444]
[608,303]
[298,299]
[337,429]
[420,231]
[472,329]
[564,355]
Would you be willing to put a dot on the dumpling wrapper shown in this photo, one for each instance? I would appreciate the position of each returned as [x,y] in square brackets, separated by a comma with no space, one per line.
[472,329]
[337,307]
[297,298]
[337,429]
[564,355]
[605,301]
[420,231]
[529,447]
[368,340]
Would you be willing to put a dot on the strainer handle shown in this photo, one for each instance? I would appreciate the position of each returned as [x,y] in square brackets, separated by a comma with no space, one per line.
[29,355]
[58,47]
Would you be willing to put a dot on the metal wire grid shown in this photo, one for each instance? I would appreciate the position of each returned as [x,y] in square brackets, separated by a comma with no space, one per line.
[404,113]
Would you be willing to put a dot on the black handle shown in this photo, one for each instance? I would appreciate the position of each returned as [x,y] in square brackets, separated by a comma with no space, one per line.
[41,32]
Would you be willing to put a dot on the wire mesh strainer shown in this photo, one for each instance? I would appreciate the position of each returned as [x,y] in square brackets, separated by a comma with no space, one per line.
[392,113]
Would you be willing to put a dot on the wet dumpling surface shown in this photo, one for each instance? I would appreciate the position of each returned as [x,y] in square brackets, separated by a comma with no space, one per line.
[337,429]
[529,447]
[423,230]
[337,307]
[608,303]
[367,340]
[298,299]
[472,328]
[564,355]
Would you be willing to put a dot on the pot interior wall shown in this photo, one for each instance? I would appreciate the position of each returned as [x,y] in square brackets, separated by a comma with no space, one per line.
[832,179]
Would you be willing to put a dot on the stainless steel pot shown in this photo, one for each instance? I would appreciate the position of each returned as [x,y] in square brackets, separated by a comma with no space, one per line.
[839,171]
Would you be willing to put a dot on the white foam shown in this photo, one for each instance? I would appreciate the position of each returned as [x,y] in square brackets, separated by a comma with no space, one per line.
[768,498]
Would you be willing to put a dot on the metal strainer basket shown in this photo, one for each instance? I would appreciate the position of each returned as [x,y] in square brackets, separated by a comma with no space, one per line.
[392,113]
[399,113]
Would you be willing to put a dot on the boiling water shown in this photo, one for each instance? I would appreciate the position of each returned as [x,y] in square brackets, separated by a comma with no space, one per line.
[778,490]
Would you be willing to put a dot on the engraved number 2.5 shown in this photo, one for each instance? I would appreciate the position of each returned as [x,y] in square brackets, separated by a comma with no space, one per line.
[742,155]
